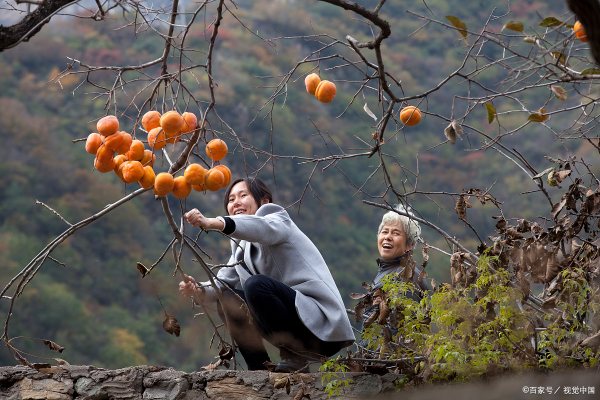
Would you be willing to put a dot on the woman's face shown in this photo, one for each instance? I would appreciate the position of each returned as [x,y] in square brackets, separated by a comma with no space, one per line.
[241,201]
[391,241]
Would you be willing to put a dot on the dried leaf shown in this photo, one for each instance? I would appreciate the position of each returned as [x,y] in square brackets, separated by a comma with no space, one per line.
[299,394]
[516,26]
[458,24]
[384,313]
[452,131]
[142,268]
[53,345]
[550,22]
[461,206]
[530,39]
[171,325]
[559,92]
[358,296]
[561,58]
[60,361]
[450,134]
[280,383]
[539,116]
[226,353]
[543,173]
[561,175]
[491,111]
[591,71]
[369,112]
[557,208]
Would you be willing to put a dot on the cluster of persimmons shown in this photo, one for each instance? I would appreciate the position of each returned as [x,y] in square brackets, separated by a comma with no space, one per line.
[117,151]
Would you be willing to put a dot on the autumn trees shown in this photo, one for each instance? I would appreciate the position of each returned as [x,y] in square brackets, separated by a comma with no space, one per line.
[512,86]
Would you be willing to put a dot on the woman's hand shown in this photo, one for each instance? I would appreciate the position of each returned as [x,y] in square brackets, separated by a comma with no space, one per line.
[195,218]
[188,287]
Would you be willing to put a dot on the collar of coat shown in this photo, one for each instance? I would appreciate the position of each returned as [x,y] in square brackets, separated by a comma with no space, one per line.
[400,261]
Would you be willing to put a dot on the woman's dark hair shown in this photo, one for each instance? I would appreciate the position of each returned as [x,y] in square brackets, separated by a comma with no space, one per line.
[258,190]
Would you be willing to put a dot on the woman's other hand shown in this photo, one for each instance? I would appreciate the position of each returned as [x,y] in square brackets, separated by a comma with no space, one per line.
[195,218]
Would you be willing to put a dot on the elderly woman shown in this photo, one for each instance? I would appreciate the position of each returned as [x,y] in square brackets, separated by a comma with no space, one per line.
[396,238]
[280,275]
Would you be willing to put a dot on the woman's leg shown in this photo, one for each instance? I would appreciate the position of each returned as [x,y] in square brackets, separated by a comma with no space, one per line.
[272,304]
[243,330]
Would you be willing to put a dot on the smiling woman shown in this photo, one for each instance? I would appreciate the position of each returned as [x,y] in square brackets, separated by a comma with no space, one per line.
[280,275]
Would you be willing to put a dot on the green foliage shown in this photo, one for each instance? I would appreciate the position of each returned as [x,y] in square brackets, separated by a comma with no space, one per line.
[333,377]
[458,333]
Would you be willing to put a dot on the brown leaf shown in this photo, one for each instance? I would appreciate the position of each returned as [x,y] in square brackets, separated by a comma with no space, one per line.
[226,353]
[357,296]
[461,206]
[384,313]
[561,175]
[559,92]
[491,111]
[60,361]
[539,116]
[53,345]
[142,268]
[552,267]
[557,208]
[299,394]
[171,325]
[458,24]
[516,26]
[280,383]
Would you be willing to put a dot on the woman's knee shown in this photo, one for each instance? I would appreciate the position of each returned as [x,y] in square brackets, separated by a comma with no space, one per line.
[257,286]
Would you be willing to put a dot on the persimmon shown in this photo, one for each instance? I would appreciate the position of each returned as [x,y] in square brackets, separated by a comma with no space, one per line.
[126,143]
[216,149]
[132,171]
[119,160]
[108,125]
[195,174]
[181,189]
[163,184]
[147,180]
[104,154]
[104,164]
[93,142]
[148,158]
[172,123]
[157,139]
[190,122]
[151,120]
[325,91]
[311,82]
[226,173]
[214,179]
[199,188]
[580,31]
[114,142]
[410,115]
[136,151]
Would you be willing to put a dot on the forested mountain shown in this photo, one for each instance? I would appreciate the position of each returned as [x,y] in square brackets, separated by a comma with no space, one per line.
[92,299]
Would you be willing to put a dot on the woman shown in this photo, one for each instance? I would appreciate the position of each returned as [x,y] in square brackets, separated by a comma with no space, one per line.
[280,274]
[397,235]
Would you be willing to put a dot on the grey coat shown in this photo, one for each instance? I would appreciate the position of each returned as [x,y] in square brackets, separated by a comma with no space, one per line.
[271,244]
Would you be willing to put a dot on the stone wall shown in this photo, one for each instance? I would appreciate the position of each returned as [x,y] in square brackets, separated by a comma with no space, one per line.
[153,383]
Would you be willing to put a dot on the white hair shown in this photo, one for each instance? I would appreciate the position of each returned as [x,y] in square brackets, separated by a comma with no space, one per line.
[410,226]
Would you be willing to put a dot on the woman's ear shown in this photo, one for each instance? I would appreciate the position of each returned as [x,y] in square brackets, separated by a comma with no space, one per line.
[264,200]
